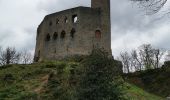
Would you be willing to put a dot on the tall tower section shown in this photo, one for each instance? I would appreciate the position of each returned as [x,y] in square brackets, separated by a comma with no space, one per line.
[105,22]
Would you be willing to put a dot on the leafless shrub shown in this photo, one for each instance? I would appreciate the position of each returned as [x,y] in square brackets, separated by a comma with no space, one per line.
[167,58]
[26,57]
[145,57]
[126,60]
[9,56]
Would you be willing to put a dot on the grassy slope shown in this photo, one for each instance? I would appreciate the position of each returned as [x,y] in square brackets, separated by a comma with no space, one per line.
[25,82]
[154,81]
[136,93]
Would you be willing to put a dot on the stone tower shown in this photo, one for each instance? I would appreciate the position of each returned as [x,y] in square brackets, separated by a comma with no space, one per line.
[75,31]
[105,21]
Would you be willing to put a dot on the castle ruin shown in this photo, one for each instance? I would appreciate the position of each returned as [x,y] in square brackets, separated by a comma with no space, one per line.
[75,31]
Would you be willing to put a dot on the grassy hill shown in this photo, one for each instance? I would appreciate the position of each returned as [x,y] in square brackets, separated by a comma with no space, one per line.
[36,81]
[136,93]
[154,81]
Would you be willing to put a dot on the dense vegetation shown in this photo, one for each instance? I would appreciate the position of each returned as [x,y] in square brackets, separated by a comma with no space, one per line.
[63,80]
[79,79]
[155,80]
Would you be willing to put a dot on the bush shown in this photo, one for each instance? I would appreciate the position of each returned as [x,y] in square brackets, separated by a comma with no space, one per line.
[27,96]
[59,87]
[100,78]
[8,78]
[75,58]
[97,77]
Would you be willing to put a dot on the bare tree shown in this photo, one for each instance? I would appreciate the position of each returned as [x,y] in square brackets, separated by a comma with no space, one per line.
[147,54]
[145,57]
[167,58]
[125,58]
[9,56]
[0,56]
[157,57]
[136,60]
[26,57]
[150,6]
[151,57]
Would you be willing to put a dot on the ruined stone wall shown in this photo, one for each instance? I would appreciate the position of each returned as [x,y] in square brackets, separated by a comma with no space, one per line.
[74,32]
[50,43]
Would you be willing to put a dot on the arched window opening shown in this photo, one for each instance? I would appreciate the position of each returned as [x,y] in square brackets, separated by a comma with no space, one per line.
[98,34]
[66,20]
[55,36]
[50,23]
[38,32]
[62,36]
[74,18]
[73,31]
[48,37]
[57,21]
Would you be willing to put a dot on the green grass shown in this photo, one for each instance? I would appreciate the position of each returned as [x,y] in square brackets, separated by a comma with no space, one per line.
[155,81]
[136,93]
[21,82]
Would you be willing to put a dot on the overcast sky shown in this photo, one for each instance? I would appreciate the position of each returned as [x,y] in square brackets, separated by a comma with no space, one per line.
[19,20]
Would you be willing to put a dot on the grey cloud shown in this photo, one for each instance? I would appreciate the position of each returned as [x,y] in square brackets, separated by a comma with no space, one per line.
[130,27]
[58,5]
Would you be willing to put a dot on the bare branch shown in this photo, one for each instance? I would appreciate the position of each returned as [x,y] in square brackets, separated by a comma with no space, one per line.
[26,57]
[145,57]
[9,56]
[150,6]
